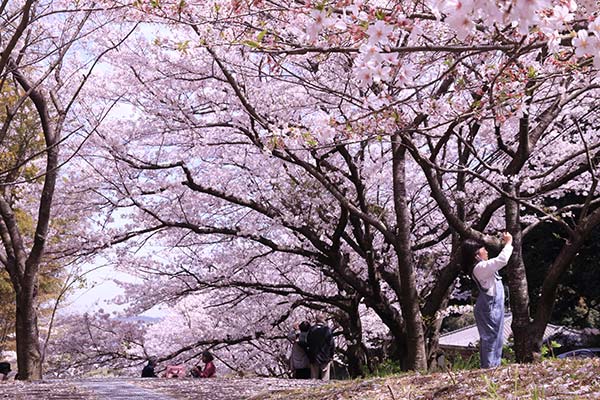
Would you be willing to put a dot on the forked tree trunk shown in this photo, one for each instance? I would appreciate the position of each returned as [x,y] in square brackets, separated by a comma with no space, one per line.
[28,345]
[24,265]
[355,353]
[416,356]
[517,282]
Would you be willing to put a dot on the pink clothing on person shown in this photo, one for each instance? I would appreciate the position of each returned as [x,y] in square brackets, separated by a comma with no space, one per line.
[175,371]
[208,371]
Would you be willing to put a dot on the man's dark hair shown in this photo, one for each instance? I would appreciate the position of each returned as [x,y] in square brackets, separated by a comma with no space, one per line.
[304,326]
[469,250]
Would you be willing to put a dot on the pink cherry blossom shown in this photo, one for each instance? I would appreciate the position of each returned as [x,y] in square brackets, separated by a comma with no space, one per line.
[526,12]
[594,27]
[462,24]
[249,183]
[379,33]
[371,52]
[584,44]
[321,21]
[488,11]
[554,40]
[364,75]
[561,15]
[406,74]
[356,10]
[459,6]
[571,5]
[380,73]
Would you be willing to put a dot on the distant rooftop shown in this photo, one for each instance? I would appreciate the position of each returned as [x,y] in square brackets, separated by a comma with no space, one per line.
[469,336]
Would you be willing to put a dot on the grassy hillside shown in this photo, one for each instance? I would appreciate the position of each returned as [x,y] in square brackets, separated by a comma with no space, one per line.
[552,379]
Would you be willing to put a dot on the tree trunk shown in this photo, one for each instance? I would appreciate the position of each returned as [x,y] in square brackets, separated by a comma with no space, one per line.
[409,298]
[24,271]
[29,361]
[355,353]
[438,299]
[517,282]
[385,310]
[433,326]
[545,304]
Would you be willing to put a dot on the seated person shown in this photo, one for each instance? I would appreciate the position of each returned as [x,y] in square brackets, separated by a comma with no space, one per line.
[4,370]
[209,368]
[175,371]
[148,371]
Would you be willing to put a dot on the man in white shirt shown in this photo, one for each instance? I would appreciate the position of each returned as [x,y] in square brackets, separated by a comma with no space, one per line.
[489,308]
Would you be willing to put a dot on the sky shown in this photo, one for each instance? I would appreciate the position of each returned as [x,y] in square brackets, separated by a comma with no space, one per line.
[100,292]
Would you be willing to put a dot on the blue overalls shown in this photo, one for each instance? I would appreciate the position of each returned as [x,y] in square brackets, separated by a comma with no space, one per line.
[489,316]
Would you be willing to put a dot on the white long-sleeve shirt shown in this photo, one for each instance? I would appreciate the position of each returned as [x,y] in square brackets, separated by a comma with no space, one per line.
[485,271]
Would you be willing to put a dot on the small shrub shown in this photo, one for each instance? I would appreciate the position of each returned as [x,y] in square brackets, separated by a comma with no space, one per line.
[548,350]
[538,393]
[460,363]
[492,388]
[508,353]
[386,368]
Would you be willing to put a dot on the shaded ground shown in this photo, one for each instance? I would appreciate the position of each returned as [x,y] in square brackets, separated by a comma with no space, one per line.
[118,389]
[222,389]
[557,379]
[62,390]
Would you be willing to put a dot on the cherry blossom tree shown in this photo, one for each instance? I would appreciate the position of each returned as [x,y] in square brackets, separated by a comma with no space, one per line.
[43,62]
[365,140]
[350,236]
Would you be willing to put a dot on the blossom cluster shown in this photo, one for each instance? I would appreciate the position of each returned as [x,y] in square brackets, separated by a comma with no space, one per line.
[587,42]
[467,22]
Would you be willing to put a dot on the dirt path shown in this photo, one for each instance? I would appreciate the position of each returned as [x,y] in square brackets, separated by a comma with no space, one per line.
[118,389]
[148,389]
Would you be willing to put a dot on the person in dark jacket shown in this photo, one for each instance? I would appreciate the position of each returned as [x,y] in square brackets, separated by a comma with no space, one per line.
[4,370]
[148,371]
[320,349]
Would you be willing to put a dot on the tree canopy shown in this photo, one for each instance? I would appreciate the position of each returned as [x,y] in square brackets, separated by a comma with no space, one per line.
[256,162]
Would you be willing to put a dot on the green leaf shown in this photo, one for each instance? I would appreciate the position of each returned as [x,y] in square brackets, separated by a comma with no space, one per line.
[183,46]
[251,43]
[261,36]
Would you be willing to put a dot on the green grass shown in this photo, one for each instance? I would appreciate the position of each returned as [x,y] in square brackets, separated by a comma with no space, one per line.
[548,380]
